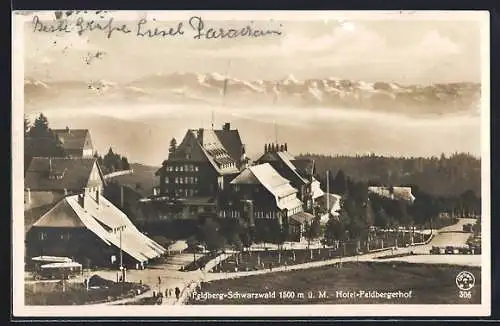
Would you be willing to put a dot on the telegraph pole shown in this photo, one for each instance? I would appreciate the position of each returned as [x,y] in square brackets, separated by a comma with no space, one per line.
[121,256]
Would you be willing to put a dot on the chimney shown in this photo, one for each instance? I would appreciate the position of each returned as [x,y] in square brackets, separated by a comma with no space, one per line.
[121,196]
[286,147]
[97,196]
[226,127]
[282,148]
[265,148]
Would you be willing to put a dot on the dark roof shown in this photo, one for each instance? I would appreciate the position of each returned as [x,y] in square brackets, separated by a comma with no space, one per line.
[305,167]
[203,145]
[231,141]
[74,172]
[299,170]
[73,139]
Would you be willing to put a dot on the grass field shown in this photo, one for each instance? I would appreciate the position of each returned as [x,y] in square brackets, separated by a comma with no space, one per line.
[430,284]
[51,293]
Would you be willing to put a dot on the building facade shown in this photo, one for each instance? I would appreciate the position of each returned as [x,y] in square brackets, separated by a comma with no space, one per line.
[198,170]
[300,172]
[264,199]
[75,142]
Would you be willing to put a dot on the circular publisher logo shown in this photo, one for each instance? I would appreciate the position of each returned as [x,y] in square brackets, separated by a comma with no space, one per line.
[465,281]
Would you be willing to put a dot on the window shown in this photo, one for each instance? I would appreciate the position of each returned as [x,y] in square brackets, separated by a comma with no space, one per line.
[176,180]
[185,192]
[43,236]
[186,180]
[166,180]
[196,168]
[186,168]
[181,180]
[191,179]
[65,236]
[195,179]
[191,192]
[236,188]
[176,168]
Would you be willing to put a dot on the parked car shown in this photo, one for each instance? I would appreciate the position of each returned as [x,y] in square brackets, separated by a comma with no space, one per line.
[476,249]
[467,227]
[435,250]
[464,250]
[449,250]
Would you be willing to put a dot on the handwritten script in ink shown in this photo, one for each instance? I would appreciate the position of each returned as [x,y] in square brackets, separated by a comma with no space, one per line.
[195,27]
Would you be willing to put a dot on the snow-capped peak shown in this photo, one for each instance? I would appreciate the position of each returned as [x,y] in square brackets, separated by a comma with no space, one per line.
[290,79]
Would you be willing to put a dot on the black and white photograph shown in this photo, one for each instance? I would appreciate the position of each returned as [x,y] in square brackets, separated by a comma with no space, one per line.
[230,163]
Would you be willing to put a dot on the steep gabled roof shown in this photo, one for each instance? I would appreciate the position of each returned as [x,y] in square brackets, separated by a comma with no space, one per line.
[287,159]
[302,169]
[68,173]
[231,141]
[72,139]
[305,167]
[204,145]
[100,218]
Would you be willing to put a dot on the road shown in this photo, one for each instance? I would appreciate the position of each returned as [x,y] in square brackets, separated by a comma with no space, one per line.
[452,235]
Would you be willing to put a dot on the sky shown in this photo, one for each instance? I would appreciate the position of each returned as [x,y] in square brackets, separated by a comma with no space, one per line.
[404,51]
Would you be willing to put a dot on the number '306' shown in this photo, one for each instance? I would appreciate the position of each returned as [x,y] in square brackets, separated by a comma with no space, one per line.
[465,294]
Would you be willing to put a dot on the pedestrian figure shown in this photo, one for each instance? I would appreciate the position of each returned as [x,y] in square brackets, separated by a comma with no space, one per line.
[177,292]
[166,293]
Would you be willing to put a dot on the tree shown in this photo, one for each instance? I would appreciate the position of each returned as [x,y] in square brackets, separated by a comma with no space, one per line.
[334,231]
[246,237]
[173,148]
[339,185]
[312,230]
[27,126]
[124,163]
[40,141]
[40,127]
[211,236]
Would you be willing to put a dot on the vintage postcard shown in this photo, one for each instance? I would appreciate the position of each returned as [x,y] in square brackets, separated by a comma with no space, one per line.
[251,163]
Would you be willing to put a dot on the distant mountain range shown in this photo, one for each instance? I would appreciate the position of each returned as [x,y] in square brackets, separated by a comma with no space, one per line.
[208,89]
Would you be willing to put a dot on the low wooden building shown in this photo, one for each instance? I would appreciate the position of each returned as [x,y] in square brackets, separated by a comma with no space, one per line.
[91,230]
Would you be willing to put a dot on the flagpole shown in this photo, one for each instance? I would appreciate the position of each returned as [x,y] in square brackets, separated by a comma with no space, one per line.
[328,193]
[224,87]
